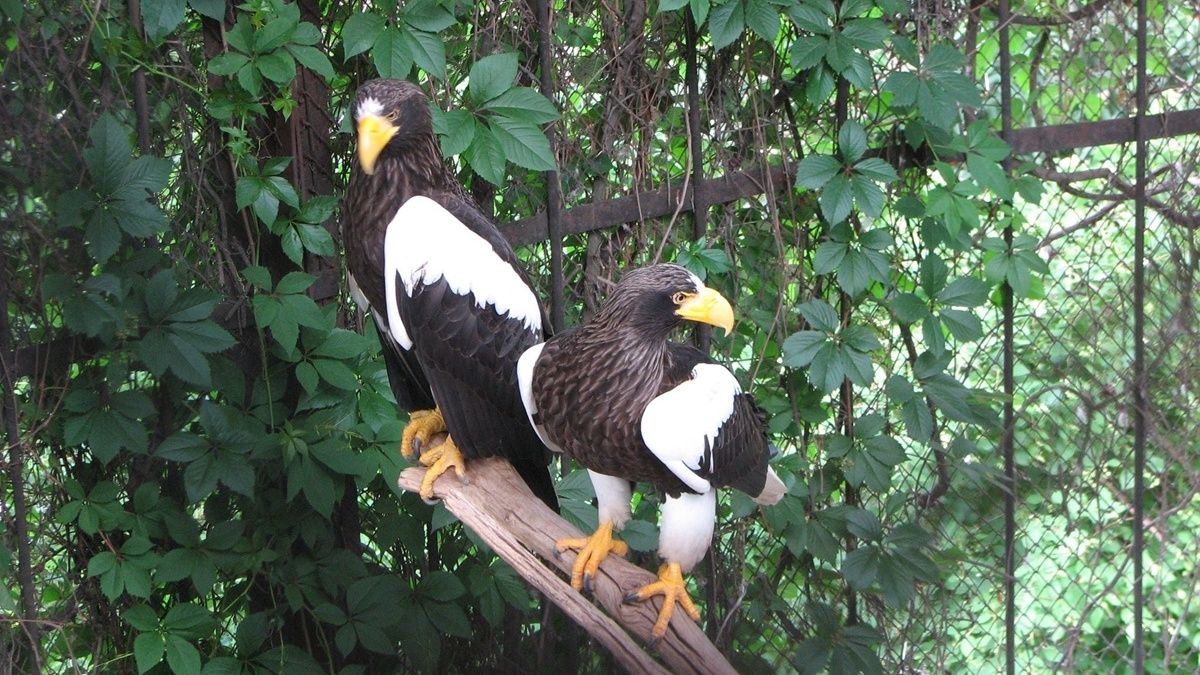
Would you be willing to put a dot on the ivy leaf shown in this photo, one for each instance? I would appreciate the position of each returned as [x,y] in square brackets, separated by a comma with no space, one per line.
[725,23]
[277,66]
[876,169]
[807,51]
[359,33]
[762,18]
[389,55]
[161,18]
[820,315]
[523,104]
[867,196]
[523,144]
[427,51]
[909,308]
[491,76]
[829,256]
[852,141]
[800,348]
[456,131]
[313,59]
[815,171]
[147,650]
[964,292]
[213,9]
[836,199]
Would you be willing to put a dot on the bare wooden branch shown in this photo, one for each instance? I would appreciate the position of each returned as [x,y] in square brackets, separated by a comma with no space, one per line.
[497,505]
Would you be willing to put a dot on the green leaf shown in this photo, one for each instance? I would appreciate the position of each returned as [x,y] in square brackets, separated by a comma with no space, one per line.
[671,5]
[861,566]
[964,292]
[427,16]
[213,9]
[909,308]
[427,50]
[492,76]
[820,315]
[182,657]
[457,132]
[314,59]
[441,586]
[918,421]
[336,373]
[250,79]
[486,157]
[147,650]
[815,171]
[523,104]
[828,368]
[295,282]
[933,274]
[161,17]
[227,64]
[852,141]
[829,256]
[854,274]
[725,23]
[962,324]
[189,621]
[801,347]
[836,200]
[876,169]
[142,618]
[763,18]
[390,56]
[808,51]
[448,619]
[360,33]
[523,144]
[867,196]
[989,174]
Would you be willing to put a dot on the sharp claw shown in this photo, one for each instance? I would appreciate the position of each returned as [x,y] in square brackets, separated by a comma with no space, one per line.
[630,598]
[416,446]
[587,583]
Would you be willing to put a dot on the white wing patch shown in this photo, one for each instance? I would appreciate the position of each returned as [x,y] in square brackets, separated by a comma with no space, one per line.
[681,422]
[425,242]
[525,366]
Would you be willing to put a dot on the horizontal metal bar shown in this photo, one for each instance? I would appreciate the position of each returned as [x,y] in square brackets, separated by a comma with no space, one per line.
[1090,134]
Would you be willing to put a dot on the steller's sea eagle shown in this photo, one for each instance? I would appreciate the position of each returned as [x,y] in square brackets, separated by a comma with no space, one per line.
[453,307]
[621,399]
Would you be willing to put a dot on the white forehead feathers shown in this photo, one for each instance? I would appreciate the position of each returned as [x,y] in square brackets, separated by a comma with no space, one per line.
[368,106]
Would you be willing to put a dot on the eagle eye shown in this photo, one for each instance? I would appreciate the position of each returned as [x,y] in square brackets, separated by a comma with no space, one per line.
[679,297]
[391,117]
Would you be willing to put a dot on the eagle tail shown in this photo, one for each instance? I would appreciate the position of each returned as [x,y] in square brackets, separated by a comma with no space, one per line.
[772,491]
[537,476]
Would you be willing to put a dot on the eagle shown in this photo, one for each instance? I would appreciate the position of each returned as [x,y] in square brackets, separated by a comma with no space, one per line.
[453,308]
[631,406]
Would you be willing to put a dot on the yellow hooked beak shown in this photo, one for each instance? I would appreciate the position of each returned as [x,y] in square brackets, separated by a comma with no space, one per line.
[374,132]
[707,306]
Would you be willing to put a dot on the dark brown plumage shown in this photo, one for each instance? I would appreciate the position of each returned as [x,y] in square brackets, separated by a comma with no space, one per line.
[620,398]
[448,339]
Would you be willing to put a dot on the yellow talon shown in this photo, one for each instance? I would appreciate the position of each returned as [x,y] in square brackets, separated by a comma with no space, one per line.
[422,425]
[440,460]
[592,551]
[671,586]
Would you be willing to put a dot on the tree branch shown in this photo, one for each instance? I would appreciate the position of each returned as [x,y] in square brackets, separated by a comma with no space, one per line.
[498,507]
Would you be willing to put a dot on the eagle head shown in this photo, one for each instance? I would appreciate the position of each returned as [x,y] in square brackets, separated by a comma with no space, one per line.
[660,297]
[389,114]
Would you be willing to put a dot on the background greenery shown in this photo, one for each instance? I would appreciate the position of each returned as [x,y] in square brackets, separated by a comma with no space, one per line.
[201,446]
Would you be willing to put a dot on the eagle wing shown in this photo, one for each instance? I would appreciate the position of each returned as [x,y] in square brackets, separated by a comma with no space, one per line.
[704,428]
[456,296]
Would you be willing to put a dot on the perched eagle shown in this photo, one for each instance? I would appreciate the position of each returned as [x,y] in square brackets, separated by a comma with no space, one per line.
[453,308]
[631,406]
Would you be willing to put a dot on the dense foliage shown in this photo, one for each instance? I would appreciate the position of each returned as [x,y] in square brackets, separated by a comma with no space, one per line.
[202,447]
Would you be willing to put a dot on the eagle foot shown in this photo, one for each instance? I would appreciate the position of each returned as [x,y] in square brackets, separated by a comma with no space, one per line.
[592,551]
[440,460]
[422,426]
[671,586]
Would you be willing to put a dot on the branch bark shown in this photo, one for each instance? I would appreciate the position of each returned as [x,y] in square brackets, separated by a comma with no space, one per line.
[502,511]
